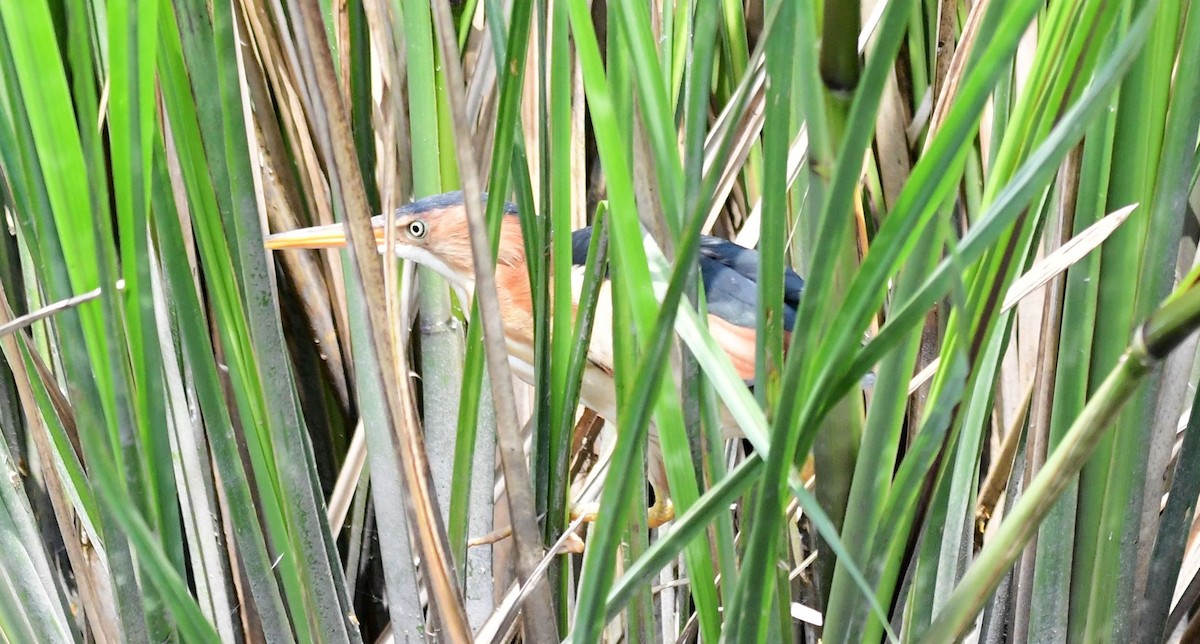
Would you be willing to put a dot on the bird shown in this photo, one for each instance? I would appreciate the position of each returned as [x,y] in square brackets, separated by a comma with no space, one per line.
[433,232]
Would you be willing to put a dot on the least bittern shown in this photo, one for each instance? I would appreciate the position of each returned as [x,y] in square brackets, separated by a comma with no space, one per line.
[433,232]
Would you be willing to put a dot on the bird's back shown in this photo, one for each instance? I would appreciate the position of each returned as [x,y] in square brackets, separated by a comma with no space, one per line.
[730,275]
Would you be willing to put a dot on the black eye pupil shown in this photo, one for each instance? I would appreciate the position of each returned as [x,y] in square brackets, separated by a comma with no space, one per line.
[417,229]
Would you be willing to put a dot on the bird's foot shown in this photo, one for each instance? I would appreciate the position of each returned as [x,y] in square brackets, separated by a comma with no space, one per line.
[573,544]
[661,512]
[587,511]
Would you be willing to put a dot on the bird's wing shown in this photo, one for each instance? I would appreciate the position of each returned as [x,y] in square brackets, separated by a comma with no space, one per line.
[730,274]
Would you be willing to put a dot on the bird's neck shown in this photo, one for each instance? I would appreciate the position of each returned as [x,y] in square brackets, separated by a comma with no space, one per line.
[516,301]
[512,284]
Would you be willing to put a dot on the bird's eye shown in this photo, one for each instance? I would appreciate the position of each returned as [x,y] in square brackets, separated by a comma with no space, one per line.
[416,229]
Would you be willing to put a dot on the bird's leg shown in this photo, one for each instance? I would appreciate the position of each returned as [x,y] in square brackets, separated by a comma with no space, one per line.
[569,543]
[496,536]
[662,511]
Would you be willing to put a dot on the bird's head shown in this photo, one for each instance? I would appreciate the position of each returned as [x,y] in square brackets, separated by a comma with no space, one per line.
[431,232]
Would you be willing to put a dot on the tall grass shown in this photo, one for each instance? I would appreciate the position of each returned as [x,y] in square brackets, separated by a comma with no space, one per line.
[981,423]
